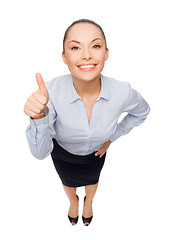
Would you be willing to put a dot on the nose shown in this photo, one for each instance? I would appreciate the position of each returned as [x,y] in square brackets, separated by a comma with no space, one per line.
[86,54]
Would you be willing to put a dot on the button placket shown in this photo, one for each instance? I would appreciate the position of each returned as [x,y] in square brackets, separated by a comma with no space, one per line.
[88,127]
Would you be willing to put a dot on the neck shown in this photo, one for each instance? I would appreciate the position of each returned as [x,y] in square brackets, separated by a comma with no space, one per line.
[87,88]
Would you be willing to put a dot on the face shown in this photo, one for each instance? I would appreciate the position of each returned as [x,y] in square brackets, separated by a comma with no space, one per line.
[85,51]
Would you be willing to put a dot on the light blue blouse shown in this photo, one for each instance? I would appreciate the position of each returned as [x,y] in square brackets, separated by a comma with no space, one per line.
[67,120]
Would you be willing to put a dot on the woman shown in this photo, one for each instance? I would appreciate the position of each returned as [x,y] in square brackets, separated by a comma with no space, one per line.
[74,117]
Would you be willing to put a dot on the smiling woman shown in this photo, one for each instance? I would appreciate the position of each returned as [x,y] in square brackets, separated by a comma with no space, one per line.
[85,53]
[75,117]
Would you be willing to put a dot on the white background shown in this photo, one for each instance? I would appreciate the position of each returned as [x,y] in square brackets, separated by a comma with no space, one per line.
[135,197]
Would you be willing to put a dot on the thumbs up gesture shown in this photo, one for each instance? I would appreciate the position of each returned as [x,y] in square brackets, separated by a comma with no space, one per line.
[35,106]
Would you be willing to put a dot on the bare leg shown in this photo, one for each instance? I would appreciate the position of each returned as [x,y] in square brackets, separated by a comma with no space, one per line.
[90,193]
[71,194]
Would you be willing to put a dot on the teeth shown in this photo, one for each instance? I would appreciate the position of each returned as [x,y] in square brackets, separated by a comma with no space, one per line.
[87,66]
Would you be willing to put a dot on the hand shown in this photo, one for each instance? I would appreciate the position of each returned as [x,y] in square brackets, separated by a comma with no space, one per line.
[101,151]
[35,105]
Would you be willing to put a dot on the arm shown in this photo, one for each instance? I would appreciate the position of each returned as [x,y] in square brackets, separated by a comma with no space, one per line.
[40,132]
[41,129]
[137,109]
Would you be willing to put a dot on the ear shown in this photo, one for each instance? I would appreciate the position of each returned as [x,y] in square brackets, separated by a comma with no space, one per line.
[106,54]
[64,58]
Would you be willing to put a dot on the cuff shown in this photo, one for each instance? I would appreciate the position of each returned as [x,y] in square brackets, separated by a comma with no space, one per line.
[42,122]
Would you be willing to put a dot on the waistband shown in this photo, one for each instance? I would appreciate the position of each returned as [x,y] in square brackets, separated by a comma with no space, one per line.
[64,155]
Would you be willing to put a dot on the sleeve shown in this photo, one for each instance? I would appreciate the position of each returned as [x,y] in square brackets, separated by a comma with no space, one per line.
[40,132]
[137,109]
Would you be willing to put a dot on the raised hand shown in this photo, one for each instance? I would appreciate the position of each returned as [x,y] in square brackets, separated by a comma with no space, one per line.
[35,106]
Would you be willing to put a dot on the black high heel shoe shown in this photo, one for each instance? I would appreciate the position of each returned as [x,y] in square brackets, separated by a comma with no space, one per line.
[86,220]
[74,220]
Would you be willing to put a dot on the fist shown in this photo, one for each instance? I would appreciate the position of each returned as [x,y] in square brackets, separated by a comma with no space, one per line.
[35,106]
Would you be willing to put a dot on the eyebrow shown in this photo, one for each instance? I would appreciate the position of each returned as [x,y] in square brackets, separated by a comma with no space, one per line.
[91,41]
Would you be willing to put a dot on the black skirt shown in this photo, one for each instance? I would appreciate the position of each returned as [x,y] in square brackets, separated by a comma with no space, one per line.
[76,170]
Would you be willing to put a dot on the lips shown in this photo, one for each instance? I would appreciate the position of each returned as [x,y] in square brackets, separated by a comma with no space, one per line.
[87,67]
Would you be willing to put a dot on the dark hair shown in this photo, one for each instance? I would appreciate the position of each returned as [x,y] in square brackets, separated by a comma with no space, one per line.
[83,21]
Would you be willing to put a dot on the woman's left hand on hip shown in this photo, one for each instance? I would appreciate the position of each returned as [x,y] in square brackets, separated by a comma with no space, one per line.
[102,150]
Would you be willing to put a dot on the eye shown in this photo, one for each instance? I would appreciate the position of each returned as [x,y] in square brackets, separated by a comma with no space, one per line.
[96,46]
[75,48]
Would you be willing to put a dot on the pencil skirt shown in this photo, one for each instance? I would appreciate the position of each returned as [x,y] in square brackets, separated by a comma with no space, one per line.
[76,170]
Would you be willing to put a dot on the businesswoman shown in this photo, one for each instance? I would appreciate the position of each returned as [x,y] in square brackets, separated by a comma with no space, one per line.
[74,117]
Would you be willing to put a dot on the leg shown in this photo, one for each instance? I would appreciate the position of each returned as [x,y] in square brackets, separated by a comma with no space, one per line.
[71,193]
[74,204]
[90,193]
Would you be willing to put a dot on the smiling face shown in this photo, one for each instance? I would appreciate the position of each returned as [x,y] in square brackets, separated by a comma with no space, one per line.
[85,51]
